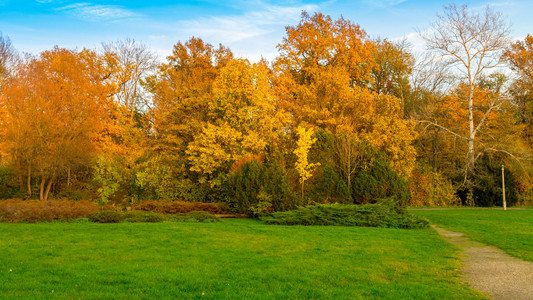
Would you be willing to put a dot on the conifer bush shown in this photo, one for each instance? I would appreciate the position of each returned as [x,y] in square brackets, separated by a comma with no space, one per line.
[379,181]
[385,213]
[142,217]
[106,216]
[257,185]
[175,207]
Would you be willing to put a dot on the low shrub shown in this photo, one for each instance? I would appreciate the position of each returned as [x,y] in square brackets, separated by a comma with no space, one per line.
[176,207]
[106,216]
[382,214]
[31,211]
[194,216]
[142,217]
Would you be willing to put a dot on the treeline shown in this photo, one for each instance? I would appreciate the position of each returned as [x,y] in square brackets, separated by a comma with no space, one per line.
[336,117]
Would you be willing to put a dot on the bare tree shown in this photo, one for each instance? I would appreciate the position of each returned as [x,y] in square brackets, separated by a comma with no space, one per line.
[471,42]
[8,57]
[136,62]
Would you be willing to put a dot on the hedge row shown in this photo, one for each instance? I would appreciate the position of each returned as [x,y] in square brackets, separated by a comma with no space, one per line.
[31,211]
[366,215]
[179,207]
[111,216]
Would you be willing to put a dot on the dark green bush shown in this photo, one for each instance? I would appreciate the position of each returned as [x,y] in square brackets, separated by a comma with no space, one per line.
[487,184]
[175,207]
[330,188]
[8,184]
[256,185]
[142,217]
[194,216]
[382,214]
[106,216]
[379,182]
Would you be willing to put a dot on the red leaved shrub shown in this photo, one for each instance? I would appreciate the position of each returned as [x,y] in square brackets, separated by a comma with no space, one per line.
[178,207]
[16,210]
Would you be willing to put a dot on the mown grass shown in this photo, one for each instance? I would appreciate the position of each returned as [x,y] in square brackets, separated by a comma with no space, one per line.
[510,230]
[232,259]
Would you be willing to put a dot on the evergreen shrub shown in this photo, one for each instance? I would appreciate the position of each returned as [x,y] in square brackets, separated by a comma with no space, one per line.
[379,181]
[142,217]
[330,188]
[106,216]
[257,187]
[194,216]
[486,184]
[175,207]
[385,213]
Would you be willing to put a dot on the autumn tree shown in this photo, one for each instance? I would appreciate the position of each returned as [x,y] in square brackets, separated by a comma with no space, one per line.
[320,60]
[473,43]
[182,89]
[7,62]
[241,120]
[323,74]
[8,56]
[302,165]
[520,57]
[55,111]
[394,64]
[135,63]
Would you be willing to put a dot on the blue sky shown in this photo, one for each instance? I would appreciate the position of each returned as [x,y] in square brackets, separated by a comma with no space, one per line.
[251,29]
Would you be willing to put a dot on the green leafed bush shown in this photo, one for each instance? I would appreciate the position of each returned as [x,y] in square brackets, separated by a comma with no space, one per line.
[176,207]
[193,216]
[382,214]
[106,216]
[142,217]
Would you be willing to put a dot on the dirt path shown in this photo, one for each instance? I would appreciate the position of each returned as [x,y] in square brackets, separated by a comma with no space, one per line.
[491,270]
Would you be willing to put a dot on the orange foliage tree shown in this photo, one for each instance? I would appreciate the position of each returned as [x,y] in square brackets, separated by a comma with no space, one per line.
[322,77]
[182,89]
[55,110]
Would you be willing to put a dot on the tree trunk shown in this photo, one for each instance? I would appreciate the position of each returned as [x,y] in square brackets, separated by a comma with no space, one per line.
[472,133]
[48,187]
[19,173]
[28,181]
[41,189]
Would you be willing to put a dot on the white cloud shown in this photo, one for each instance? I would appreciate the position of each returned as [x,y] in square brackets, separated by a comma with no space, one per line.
[96,12]
[251,24]
[384,3]
[418,45]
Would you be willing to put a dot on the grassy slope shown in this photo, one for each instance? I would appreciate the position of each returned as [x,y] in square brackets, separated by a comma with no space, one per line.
[511,230]
[231,259]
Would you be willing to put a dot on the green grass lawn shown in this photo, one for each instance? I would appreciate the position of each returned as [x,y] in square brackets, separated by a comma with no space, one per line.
[233,259]
[510,230]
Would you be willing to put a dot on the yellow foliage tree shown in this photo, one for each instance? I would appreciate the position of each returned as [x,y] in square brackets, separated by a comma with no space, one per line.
[241,120]
[302,165]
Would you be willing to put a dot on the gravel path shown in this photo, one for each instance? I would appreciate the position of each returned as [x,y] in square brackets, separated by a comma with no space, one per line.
[492,271]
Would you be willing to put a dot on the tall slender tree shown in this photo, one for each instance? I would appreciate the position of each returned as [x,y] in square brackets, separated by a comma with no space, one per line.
[473,42]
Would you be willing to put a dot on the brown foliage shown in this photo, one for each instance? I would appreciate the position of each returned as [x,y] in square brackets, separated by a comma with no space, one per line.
[177,207]
[16,210]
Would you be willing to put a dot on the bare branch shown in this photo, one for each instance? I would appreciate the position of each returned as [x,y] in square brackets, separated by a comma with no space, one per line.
[443,128]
